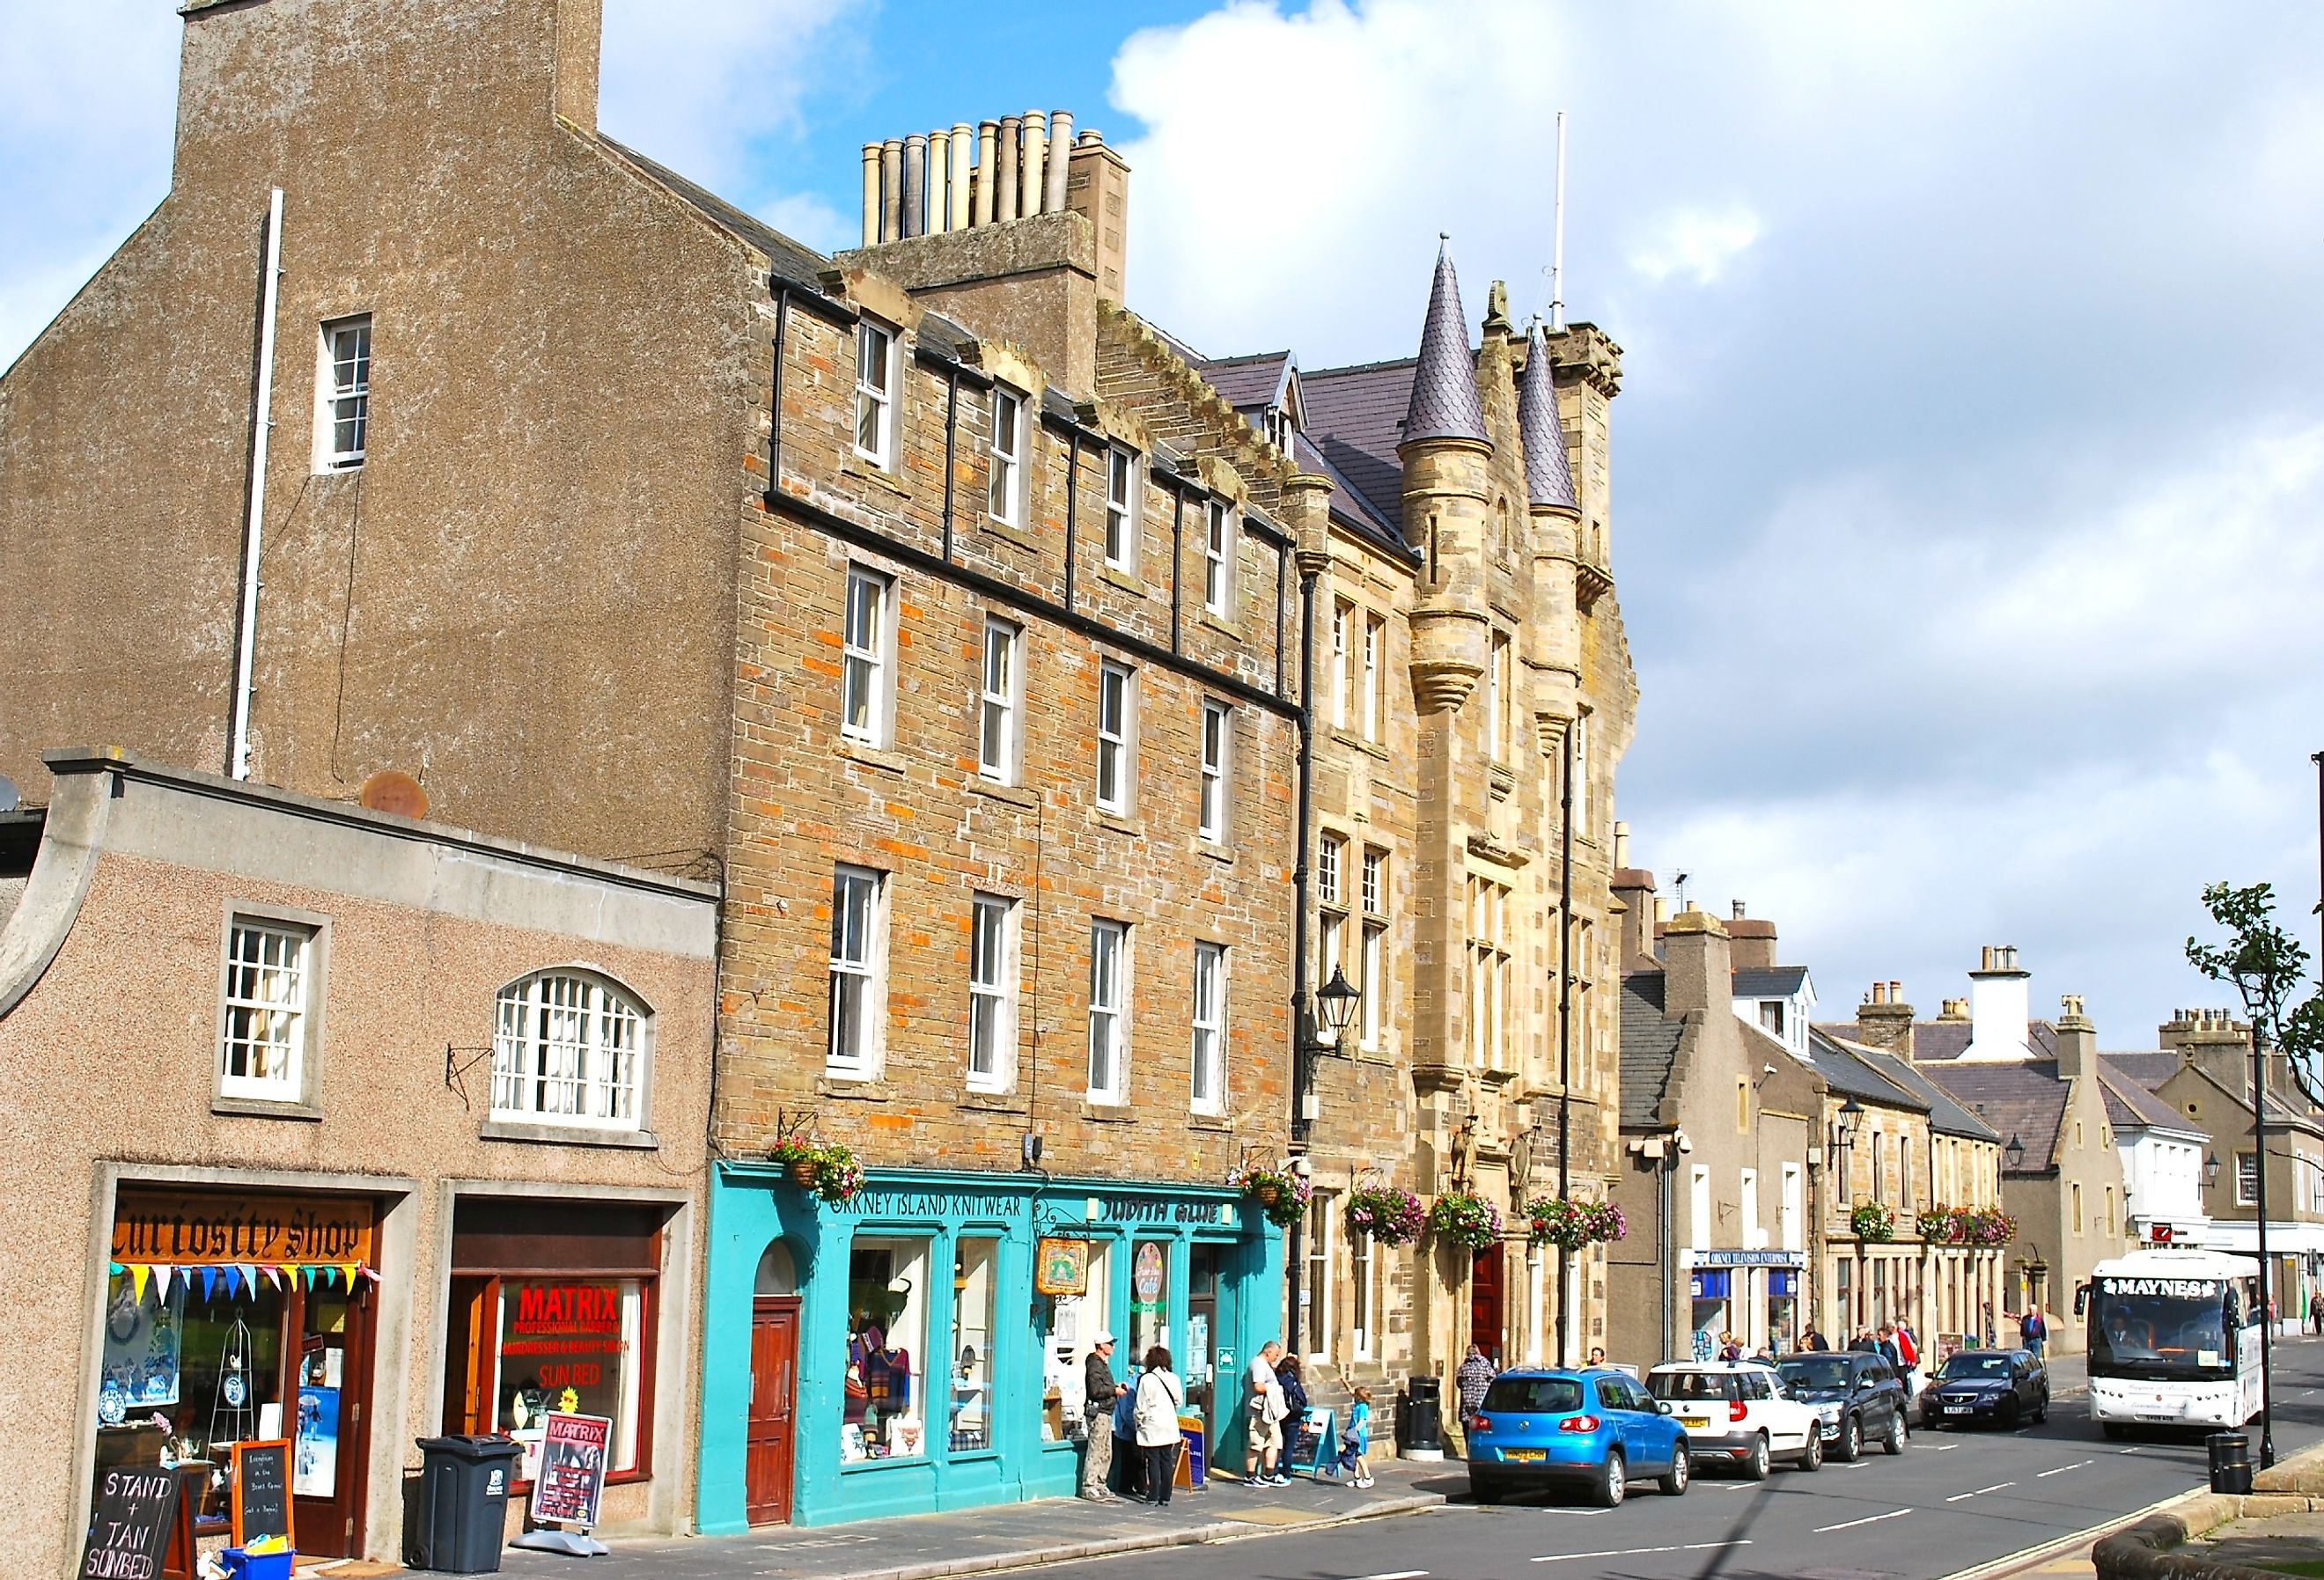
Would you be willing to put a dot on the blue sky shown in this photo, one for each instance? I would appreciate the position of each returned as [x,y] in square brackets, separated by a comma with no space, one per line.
[1970,457]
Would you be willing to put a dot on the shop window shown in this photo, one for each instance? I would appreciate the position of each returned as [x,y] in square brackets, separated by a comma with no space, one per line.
[569,1049]
[1149,1299]
[271,996]
[570,1347]
[882,1415]
[974,1293]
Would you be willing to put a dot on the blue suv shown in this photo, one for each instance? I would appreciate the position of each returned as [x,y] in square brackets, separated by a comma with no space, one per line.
[1595,1429]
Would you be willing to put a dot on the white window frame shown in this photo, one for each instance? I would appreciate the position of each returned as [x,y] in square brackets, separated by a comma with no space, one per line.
[1747,1191]
[1207,1090]
[342,393]
[1108,1071]
[1121,508]
[1698,1209]
[1000,700]
[570,1047]
[1317,1319]
[992,993]
[1500,682]
[1218,560]
[877,346]
[277,1012]
[1218,757]
[1375,646]
[1789,1207]
[1004,488]
[1330,852]
[1490,957]
[1344,616]
[2247,1178]
[866,667]
[859,968]
[1117,739]
[1363,1268]
[1372,895]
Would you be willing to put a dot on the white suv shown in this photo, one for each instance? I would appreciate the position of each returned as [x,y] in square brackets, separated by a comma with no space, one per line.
[1738,1413]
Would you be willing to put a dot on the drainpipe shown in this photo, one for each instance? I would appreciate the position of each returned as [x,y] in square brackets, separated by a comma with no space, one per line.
[1073,499]
[952,427]
[1565,1031]
[1665,1167]
[261,421]
[1301,1033]
[775,408]
[1177,566]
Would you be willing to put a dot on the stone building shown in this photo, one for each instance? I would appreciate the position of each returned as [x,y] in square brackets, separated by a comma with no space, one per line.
[1722,1124]
[2038,1085]
[327,1125]
[923,594]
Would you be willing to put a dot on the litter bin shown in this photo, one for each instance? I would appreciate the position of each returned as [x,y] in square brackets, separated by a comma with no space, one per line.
[2231,1470]
[464,1487]
[1423,1424]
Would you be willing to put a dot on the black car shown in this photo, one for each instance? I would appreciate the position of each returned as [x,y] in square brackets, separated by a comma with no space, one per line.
[1856,1394]
[1998,1387]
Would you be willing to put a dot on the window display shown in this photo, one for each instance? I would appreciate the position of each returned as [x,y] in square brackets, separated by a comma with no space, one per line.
[1149,1299]
[974,1289]
[884,1416]
[569,1346]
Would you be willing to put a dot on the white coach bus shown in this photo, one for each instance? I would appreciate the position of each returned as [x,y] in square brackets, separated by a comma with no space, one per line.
[2174,1339]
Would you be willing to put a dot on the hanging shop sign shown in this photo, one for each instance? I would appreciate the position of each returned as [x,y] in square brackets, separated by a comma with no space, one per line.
[1061,1267]
[177,1229]
[571,1479]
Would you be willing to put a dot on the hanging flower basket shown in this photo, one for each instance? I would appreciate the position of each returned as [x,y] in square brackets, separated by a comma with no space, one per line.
[1990,1227]
[1872,1221]
[830,1172]
[1465,1220]
[1282,1195]
[1572,1224]
[1391,1216]
[1943,1225]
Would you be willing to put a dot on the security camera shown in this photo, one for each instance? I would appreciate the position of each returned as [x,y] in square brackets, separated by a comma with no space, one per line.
[1768,1070]
[1685,1143]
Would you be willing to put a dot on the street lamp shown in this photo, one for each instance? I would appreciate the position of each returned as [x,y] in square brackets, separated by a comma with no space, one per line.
[1335,1011]
[2210,1171]
[1319,1024]
[2012,1155]
[1841,1143]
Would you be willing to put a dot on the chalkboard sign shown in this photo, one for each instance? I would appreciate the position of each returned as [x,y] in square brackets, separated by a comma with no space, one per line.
[1313,1445]
[135,1507]
[261,1491]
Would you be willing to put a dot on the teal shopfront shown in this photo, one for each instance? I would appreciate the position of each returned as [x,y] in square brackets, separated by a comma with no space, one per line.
[891,1355]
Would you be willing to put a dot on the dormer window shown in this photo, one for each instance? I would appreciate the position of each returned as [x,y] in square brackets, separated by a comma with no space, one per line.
[1771,1016]
[875,394]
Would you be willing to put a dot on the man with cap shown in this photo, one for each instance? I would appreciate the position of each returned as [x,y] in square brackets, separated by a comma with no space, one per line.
[1100,1389]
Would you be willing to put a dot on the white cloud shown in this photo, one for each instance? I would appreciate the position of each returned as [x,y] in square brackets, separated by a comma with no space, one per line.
[1695,242]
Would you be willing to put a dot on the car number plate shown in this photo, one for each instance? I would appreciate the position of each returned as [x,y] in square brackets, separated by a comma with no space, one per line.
[1695,1421]
[1522,1455]
[1958,1410]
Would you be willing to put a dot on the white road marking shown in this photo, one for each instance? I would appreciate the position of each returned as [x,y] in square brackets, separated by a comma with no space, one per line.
[1944,1448]
[2062,1469]
[1868,1519]
[1693,1546]
[1996,1486]
[1396,1574]
[2126,1451]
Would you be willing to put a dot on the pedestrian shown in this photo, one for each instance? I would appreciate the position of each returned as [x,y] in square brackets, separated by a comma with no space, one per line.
[1294,1393]
[1864,1342]
[2315,1312]
[1731,1348]
[1597,1354]
[2032,1329]
[1132,1463]
[1356,1442]
[1266,1408]
[1908,1359]
[1475,1376]
[1159,1394]
[1883,1345]
[1813,1339]
[1100,1391]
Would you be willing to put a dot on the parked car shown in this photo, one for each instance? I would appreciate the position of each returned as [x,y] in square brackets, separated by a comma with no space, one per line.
[1857,1396]
[1593,1428]
[1739,1413]
[2000,1386]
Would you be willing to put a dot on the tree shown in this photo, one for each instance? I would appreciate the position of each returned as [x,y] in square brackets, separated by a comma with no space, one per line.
[2267,966]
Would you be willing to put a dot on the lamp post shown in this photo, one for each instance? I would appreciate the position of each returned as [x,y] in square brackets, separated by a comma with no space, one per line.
[2266,1270]
[1839,1146]
[1321,1022]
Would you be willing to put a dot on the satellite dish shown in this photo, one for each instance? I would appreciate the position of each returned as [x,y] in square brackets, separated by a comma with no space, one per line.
[394,791]
[9,799]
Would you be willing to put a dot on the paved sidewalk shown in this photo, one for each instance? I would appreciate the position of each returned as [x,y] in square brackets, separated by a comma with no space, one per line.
[1008,1536]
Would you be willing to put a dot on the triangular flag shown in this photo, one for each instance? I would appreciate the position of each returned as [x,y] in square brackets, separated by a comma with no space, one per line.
[164,1274]
[249,1273]
[140,1275]
[115,1269]
[274,1274]
[209,1282]
[307,1275]
[347,1276]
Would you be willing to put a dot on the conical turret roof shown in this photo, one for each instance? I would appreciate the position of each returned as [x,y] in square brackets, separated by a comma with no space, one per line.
[1445,403]
[1549,476]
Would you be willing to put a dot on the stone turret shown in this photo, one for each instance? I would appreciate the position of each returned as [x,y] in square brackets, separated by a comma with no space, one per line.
[1553,513]
[1446,455]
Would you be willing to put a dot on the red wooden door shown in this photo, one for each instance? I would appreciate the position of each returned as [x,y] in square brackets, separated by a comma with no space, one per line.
[774,1387]
[1485,1309]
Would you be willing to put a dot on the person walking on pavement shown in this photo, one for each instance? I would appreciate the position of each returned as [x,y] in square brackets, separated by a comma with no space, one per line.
[1160,1395]
[1356,1442]
[1908,1359]
[2033,1330]
[1100,1389]
[1813,1339]
[1475,1376]
[1267,1412]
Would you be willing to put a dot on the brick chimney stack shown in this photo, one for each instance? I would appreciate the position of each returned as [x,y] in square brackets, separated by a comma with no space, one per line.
[1633,892]
[1754,939]
[2078,1038]
[1698,969]
[1885,1021]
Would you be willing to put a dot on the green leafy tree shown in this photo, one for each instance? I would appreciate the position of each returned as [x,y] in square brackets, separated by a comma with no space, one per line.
[2268,968]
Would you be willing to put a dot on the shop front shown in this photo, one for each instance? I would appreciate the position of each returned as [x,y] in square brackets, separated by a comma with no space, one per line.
[1753,1295]
[920,1346]
[236,1317]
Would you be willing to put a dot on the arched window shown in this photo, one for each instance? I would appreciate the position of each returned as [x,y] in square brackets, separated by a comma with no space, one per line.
[569,1047]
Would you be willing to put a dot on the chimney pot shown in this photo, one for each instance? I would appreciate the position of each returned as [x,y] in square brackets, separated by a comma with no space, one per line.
[1739,908]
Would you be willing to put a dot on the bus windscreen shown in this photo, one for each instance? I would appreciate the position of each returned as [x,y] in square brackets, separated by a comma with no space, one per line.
[2157,1327]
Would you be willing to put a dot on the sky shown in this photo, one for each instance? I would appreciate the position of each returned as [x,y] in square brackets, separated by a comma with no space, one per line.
[1968,465]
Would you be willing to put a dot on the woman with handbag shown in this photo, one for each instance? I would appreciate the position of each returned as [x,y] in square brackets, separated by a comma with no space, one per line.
[1160,1395]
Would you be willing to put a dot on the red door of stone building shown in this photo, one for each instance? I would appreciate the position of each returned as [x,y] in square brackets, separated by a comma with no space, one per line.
[774,1386]
[1486,1315]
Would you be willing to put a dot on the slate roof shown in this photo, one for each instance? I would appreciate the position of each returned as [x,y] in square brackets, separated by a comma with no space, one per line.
[1768,982]
[2021,1099]
[1247,383]
[1946,1040]
[1348,506]
[1846,1070]
[2130,1105]
[2148,1068]
[1650,1042]
[1549,473]
[799,267]
[1355,419]
[1946,1116]
[1445,403]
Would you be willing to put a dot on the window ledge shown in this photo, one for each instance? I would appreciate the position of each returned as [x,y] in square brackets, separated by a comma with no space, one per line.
[1213,1121]
[1126,581]
[877,757]
[265,1108]
[561,1135]
[1220,853]
[1356,742]
[1012,532]
[1097,1113]
[1014,794]
[872,472]
[1501,778]
[977,1102]
[854,1089]
[1120,823]
[1226,625]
